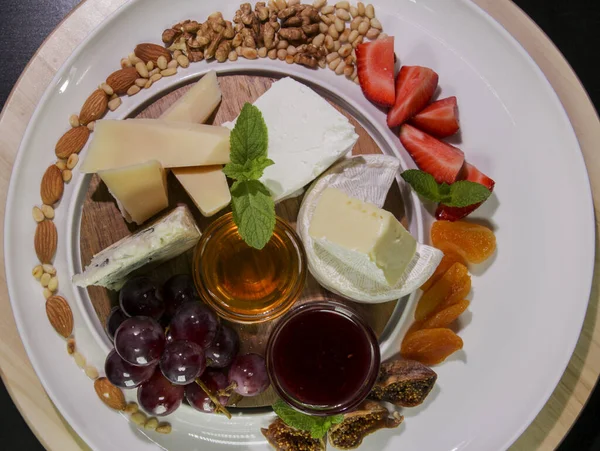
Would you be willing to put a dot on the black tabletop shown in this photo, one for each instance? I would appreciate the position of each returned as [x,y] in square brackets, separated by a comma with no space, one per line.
[573,25]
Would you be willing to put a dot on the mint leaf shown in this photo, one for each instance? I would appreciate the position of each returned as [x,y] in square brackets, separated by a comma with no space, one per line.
[423,183]
[253,212]
[316,426]
[459,194]
[250,170]
[465,193]
[249,138]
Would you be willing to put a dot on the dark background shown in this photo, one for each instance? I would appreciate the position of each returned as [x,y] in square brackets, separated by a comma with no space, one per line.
[573,25]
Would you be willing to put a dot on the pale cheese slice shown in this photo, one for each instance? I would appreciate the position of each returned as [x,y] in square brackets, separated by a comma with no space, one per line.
[207,186]
[174,144]
[198,103]
[140,190]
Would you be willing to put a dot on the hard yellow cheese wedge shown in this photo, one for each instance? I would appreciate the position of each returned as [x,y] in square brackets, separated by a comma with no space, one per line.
[140,190]
[198,103]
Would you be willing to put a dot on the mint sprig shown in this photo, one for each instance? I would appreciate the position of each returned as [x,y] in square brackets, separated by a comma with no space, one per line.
[459,194]
[316,426]
[251,202]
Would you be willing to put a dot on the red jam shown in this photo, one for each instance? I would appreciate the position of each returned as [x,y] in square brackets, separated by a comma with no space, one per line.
[323,358]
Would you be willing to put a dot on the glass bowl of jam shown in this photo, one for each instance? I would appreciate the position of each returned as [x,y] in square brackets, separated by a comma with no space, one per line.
[244,284]
[322,358]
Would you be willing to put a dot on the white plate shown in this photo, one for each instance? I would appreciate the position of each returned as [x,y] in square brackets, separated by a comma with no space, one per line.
[528,306]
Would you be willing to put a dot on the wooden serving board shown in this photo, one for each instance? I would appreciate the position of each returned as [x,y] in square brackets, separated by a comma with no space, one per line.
[102,224]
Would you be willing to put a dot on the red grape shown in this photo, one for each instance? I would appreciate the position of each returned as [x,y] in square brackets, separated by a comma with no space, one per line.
[158,396]
[249,374]
[196,323]
[114,320]
[182,362]
[140,341]
[176,291]
[224,348]
[140,297]
[123,374]
[214,380]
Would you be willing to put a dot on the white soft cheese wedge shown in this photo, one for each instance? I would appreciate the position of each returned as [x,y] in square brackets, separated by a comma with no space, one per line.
[306,136]
[169,236]
[338,267]
[198,103]
[207,186]
[140,190]
[173,144]
[362,236]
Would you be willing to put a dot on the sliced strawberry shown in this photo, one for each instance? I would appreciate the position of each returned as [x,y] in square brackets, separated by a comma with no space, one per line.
[440,119]
[472,174]
[414,87]
[431,155]
[375,68]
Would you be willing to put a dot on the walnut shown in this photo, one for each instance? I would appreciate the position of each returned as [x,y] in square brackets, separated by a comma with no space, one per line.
[292,34]
[237,40]
[287,12]
[195,55]
[193,43]
[311,30]
[223,51]
[293,21]
[311,13]
[261,11]
[169,35]
[209,53]
[178,44]
[229,31]
[191,27]
[309,55]
[268,36]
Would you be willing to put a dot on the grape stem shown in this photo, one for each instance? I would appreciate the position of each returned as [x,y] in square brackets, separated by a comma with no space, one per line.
[229,390]
[219,408]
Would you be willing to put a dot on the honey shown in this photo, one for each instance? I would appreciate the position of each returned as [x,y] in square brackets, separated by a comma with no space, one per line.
[244,284]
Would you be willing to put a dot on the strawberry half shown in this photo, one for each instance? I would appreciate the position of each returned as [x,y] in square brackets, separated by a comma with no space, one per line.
[414,87]
[439,119]
[472,174]
[375,68]
[431,155]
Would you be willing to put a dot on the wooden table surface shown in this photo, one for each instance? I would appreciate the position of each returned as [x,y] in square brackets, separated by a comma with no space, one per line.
[569,397]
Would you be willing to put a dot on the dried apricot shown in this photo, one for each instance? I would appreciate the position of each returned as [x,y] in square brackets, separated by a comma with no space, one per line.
[447,261]
[474,242]
[452,287]
[445,317]
[415,326]
[430,346]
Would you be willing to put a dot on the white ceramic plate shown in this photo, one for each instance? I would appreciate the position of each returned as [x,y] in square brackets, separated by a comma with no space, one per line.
[528,303]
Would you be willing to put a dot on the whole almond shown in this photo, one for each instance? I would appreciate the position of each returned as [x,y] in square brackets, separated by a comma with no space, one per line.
[60,315]
[122,80]
[72,141]
[151,52]
[109,394]
[45,241]
[52,186]
[94,107]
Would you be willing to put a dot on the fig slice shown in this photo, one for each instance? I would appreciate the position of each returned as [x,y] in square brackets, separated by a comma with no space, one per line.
[286,438]
[404,383]
[369,417]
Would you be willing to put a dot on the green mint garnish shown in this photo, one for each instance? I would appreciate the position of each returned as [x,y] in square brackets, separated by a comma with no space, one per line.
[251,202]
[459,194]
[316,426]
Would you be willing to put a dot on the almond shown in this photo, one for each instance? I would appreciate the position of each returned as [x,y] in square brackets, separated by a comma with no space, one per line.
[60,315]
[52,186]
[72,141]
[94,107]
[151,52]
[120,81]
[109,394]
[45,241]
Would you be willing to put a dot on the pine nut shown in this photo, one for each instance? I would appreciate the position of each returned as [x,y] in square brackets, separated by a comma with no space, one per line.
[342,14]
[291,50]
[376,24]
[319,3]
[352,36]
[336,46]
[330,57]
[272,6]
[183,61]
[335,63]
[67,175]
[131,408]
[372,33]
[133,59]
[38,214]
[355,23]
[176,53]
[327,10]
[133,90]
[37,272]
[348,71]
[249,53]
[45,279]
[363,27]
[149,65]
[281,54]
[151,424]
[382,36]
[293,2]
[345,50]
[357,42]
[283,44]
[91,125]
[233,56]
[125,63]
[318,40]
[142,69]
[344,35]
[47,293]
[323,27]
[168,72]
[74,120]
[353,11]
[361,8]
[289,59]
[164,428]
[48,268]
[141,82]
[238,51]
[61,164]
[114,104]
[262,52]
[333,32]
[281,4]
[161,62]
[107,89]
[79,359]
[48,210]
[272,54]
[370,11]
[138,418]
[72,161]
[172,64]
[53,284]
[339,25]
[343,5]
[91,372]
[339,70]
[329,42]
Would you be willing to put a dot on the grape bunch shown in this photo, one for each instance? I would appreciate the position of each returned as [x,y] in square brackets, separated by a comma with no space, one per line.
[171,347]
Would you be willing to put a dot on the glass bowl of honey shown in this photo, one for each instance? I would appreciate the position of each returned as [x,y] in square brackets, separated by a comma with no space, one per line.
[248,285]
[323,358]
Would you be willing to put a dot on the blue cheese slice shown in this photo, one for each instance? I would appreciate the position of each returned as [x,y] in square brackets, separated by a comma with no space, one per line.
[169,236]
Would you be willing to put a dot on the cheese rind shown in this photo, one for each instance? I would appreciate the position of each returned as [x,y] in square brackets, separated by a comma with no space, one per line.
[306,136]
[367,238]
[207,186]
[169,236]
[174,144]
[198,103]
[141,189]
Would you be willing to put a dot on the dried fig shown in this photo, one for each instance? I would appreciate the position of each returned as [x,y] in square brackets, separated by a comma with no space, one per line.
[366,419]
[404,383]
[286,438]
